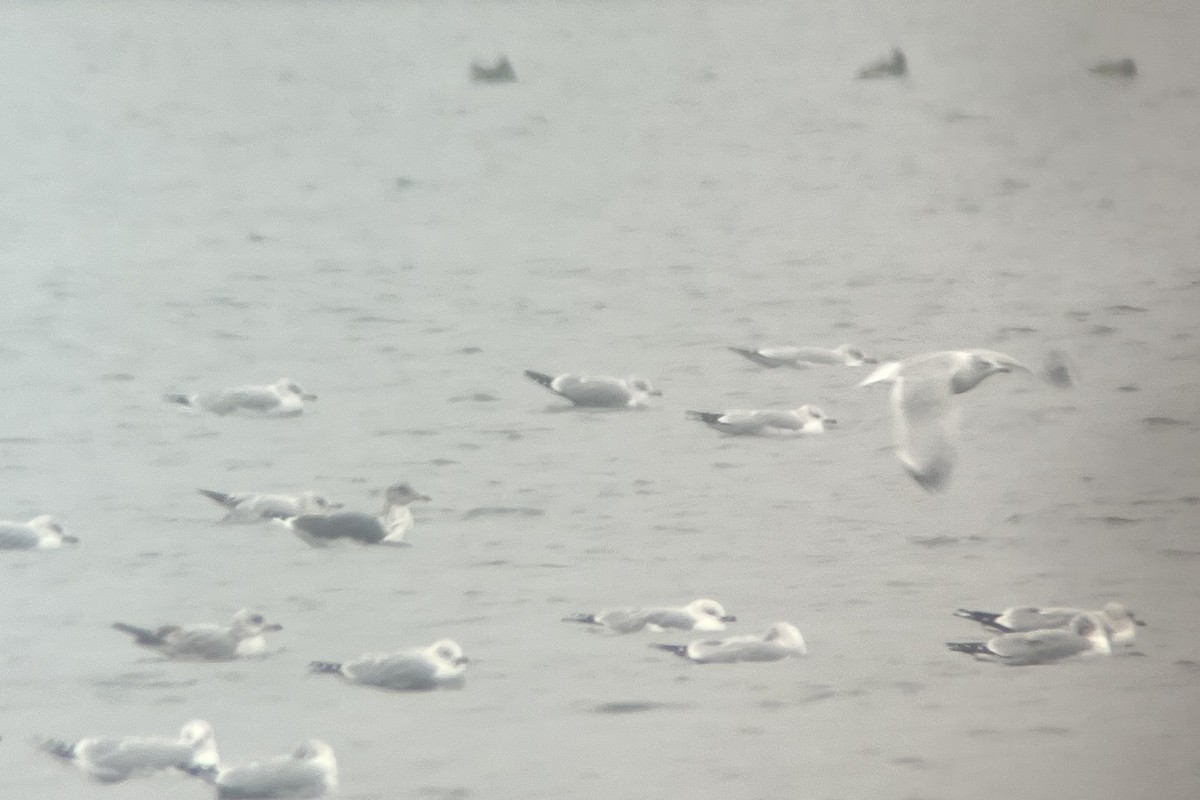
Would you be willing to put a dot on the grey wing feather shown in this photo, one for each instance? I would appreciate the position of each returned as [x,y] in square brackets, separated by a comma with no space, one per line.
[1038,647]
[667,618]
[725,652]
[396,672]
[926,428]
[209,642]
[346,525]
[249,397]
[276,779]
[16,537]
[604,392]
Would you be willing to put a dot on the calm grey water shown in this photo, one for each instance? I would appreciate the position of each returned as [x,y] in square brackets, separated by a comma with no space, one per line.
[196,194]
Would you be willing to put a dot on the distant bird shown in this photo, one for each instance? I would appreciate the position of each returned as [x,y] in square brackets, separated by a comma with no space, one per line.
[110,760]
[251,507]
[804,357]
[205,641]
[698,615]
[597,391]
[781,640]
[499,72]
[738,422]
[389,527]
[894,66]
[923,414]
[1120,623]
[308,771]
[1084,636]
[284,398]
[1121,68]
[40,533]
[442,665]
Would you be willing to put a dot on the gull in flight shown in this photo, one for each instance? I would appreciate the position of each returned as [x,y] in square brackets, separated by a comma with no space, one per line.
[803,357]
[204,641]
[389,527]
[924,417]
[442,665]
[1085,635]
[739,422]
[110,760]
[40,533]
[251,507]
[597,391]
[284,398]
[781,640]
[308,771]
[1120,623]
[698,615]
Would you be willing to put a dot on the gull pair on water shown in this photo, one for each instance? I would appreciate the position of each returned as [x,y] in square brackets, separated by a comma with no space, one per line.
[803,357]
[782,640]
[441,665]
[923,413]
[40,533]
[252,507]
[284,398]
[204,641]
[1084,636]
[389,527]
[597,391]
[762,422]
[698,615]
[1119,622]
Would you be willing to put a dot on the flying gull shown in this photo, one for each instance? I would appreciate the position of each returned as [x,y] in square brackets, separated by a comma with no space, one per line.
[389,527]
[284,398]
[206,641]
[781,640]
[1084,636]
[308,771]
[598,391]
[1118,620]
[739,422]
[251,507]
[803,357]
[698,615]
[442,665]
[40,533]
[110,760]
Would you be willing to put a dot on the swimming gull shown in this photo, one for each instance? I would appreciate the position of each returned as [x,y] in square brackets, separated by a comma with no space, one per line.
[1118,620]
[924,418]
[284,398]
[206,641]
[500,72]
[40,533]
[698,615]
[740,422]
[388,528]
[110,760]
[894,66]
[781,640]
[442,665]
[802,357]
[308,771]
[252,507]
[1084,636]
[598,391]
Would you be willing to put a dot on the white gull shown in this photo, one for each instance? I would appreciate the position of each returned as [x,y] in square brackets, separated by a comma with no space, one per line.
[389,527]
[1084,636]
[781,640]
[1118,620]
[597,391]
[40,533]
[110,760]
[698,615]
[308,771]
[284,398]
[803,357]
[442,665]
[204,641]
[252,507]
[758,422]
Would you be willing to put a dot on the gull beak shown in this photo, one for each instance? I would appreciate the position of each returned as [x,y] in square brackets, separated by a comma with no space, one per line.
[831,422]
[75,540]
[655,393]
[729,618]
[462,660]
[423,497]
[1141,623]
[274,626]
[307,396]
[869,360]
[335,506]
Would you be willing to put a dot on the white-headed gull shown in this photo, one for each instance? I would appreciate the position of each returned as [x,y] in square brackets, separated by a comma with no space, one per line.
[1085,635]
[388,528]
[252,507]
[698,615]
[1119,621]
[597,391]
[40,533]
[801,357]
[441,665]
[284,398]
[308,771]
[781,640]
[204,641]
[116,759]
[762,422]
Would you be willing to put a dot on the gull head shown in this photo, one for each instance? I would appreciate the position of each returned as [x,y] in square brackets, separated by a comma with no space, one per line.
[401,494]
[708,614]
[1091,628]
[853,356]
[287,386]
[448,652]
[644,386]
[319,754]
[787,636]
[247,624]
[50,532]
[815,419]
[199,735]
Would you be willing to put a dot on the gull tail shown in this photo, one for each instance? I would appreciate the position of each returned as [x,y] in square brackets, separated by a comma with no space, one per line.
[323,667]
[985,618]
[58,748]
[218,497]
[586,619]
[675,649]
[142,636]
[707,417]
[971,648]
[754,356]
[540,378]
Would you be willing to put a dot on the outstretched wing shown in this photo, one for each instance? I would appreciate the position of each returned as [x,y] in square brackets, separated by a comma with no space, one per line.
[926,429]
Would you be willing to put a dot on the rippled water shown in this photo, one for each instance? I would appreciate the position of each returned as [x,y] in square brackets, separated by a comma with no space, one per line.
[198,194]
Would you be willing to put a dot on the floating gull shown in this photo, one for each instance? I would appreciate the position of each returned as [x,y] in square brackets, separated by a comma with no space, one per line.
[780,641]
[206,641]
[802,357]
[1121,68]
[1085,635]
[40,533]
[111,759]
[284,398]
[250,507]
[390,527]
[1117,619]
[500,72]
[442,665]
[894,66]
[598,391]
[738,422]
[308,771]
[698,615]
[923,414]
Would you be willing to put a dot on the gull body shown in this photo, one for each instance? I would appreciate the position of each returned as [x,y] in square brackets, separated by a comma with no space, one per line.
[597,391]
[442,665]
[114,759]
[781,640]
[1084,636]
[308,771]
[40,533]
[252,507]
[803,357]
[698,615]
[204,641]
[740,422]
[389,527]
[284,398]
[1120,623]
